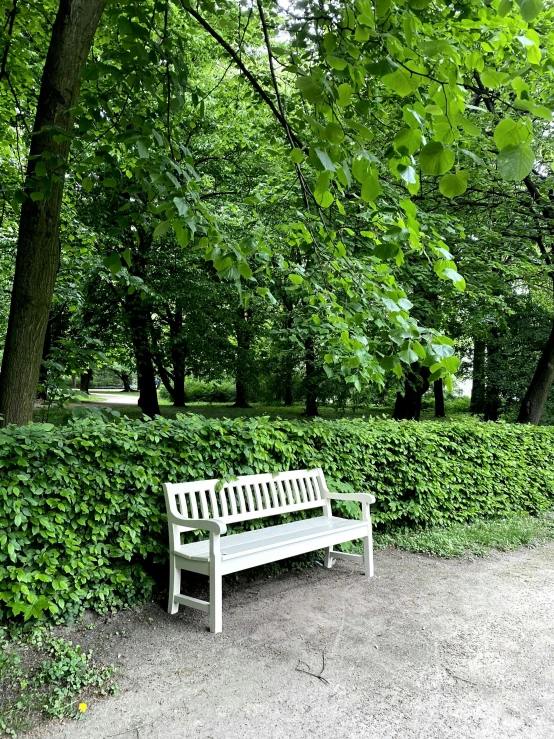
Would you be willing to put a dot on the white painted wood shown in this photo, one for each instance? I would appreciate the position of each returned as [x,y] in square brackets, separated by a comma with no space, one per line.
[208,506]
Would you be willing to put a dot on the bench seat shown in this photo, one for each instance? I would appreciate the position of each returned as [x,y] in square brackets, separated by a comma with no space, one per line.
[209,506]
[250,542]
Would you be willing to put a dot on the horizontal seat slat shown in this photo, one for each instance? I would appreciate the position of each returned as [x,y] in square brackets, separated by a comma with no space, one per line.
[236,545]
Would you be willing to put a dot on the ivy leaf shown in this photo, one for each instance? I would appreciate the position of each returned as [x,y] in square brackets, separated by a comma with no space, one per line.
[436,158]
[515,162]
[452,185]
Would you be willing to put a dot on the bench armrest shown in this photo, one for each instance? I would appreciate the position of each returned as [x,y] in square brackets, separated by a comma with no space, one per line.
[355,497]
[213,525]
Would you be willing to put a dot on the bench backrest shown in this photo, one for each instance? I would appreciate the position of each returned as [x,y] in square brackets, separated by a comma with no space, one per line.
[249,496]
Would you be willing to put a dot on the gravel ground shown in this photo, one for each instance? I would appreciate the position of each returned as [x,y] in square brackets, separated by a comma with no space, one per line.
[430,649]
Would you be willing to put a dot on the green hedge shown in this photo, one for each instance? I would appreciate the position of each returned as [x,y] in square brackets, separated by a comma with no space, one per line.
[81,506]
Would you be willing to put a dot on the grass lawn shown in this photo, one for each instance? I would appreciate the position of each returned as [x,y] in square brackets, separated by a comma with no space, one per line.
[225,410]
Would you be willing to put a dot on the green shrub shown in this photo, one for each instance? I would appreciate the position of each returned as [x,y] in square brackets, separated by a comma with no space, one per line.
[198,391]
[82,510]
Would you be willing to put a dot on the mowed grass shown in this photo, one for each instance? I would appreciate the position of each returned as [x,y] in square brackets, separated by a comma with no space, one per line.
[473,539]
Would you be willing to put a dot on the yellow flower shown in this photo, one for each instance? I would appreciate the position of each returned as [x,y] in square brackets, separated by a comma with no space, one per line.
[83,707]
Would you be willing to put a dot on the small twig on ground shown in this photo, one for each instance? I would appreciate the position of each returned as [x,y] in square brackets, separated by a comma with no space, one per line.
[307,672]
[457,677]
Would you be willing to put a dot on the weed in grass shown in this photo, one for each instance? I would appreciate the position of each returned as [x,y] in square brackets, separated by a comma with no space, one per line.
[42,676]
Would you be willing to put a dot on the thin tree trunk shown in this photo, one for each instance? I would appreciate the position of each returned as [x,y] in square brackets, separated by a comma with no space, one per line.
[288,385]
[536,396]
[38,248]
[478,389]
[311,379]
[438,392]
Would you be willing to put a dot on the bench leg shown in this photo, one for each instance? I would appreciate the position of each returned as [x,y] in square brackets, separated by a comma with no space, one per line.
[174,585]
[368,554]
[328,561]
[216,616]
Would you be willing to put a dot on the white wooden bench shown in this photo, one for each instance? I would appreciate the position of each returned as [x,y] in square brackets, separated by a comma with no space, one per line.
[199,505]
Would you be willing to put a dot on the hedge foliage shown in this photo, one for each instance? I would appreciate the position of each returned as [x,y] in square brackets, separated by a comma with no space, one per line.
[82,510]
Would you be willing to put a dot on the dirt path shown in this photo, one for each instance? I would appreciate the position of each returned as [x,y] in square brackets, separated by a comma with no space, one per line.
[430,649]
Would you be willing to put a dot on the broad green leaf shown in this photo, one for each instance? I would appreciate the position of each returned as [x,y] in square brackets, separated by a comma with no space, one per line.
[142,149]
[325,160]
[436,158]
[181,233]
[402,82]
[371,189]
[344,92]
[87,184]
[109,182]
[161,228]
[126,256]
[312,88]
[515,162]
[336,63]
[510,131]
[409,356]
[297,155]
[296,279]
[181,205]
[505,7]
[245,270]
[452,185]
[530,9]
[493,79]
[334,133]
[408,139]
[324,199]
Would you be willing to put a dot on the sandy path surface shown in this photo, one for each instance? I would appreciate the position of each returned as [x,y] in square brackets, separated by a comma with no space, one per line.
[430,649]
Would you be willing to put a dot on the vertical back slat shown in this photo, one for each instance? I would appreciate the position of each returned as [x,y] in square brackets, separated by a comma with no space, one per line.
[288,491]
[214,503]
[223,503]
[183,505]
[281,492]
[204,504]
[259,504]
[230,490]
[249,499]
[297,495]
[242,505]
[318,484]
[269,494]
[193,504]
[305,495]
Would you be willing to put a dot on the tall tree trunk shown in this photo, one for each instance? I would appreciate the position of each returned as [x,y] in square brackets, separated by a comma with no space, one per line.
[478,389]
[139,319]
[493,401]
[438,391]
[536,396]
[126,380]
[288,384]
[311,379]
[86,379]
[178,355]
[408,404]
[38,248]
[244,360]
[43,372]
